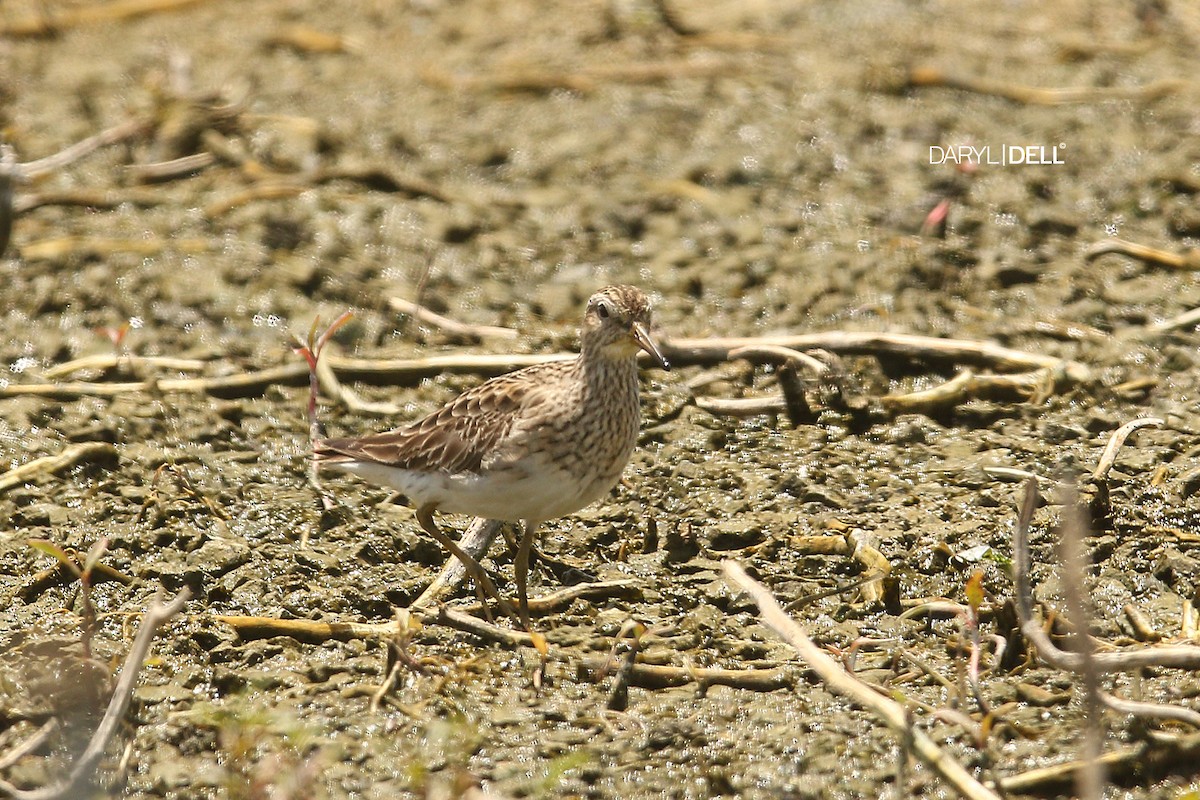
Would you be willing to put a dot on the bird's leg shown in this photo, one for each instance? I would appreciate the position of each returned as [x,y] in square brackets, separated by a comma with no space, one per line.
[555,567]
[522,571]
[475,540]
[473,567]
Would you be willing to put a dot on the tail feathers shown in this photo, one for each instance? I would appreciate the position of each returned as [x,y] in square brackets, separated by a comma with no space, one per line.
[332,451]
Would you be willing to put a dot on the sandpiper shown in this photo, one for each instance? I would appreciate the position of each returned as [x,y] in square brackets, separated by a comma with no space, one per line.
[533,445]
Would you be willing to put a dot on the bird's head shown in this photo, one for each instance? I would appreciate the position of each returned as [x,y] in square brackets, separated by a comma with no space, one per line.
[616,324]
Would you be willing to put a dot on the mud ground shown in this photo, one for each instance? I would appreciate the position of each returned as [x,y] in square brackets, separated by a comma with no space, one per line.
[759,168]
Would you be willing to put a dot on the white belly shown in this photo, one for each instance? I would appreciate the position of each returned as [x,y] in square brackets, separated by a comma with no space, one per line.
[508,495]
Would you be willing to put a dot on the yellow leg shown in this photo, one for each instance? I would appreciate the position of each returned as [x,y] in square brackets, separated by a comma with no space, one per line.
[522,572]
[473,567]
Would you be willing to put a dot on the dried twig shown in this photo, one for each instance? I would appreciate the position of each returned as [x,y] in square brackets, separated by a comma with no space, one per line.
[1027,386]
[114,715]
[582,81]
[1139,621]
[47,23]
[29,745]
[655,676]
[337,391]
[930,77]
[1089,780]
[853,544]
[1163,711]
[1044,779]
[682,352]
[475,541]
[48,465]
[1169,656]
[32,170]
[1109,456]
[1188,319]
[451,326]
[60,247]
[1011,474]
[170,170]
[280,189]
[838,680]
[742,406]
[106,361]
[596,590]
[306,39]
[316,632]
[1188,259]
[775,354]
[907,345]
[89,198]
[253,384]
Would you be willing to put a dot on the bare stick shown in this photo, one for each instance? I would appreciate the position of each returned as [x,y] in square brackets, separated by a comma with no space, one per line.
[703,351]
[279,189]
[103,361]
[742,406]
[1030,95]
[103,246]
[775,354]
[583,81]
[1187,319]
[155,616]
[967,385]
[29,745]
[1188,259]
[448,325]
[1044,778]
[680,351]
[1172,657]
[92,198]
[1090,780]
[48,465]
[32,170]
[944,609]
[336,390]
[483,629]
[1151,710]
[841,682]
[1010,474]
[475,541]
[1143,629]
[253,384]
[597,590]
[169,170]
[655,676]
[316,632]
[102,12]
[1109,456]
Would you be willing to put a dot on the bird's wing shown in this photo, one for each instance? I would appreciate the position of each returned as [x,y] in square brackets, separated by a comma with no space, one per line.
[460,435]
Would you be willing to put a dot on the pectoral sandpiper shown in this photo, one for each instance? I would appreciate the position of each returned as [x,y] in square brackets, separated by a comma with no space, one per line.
[532,445]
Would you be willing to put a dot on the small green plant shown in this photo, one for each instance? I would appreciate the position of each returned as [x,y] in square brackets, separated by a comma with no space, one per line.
[82,572]
[311,349]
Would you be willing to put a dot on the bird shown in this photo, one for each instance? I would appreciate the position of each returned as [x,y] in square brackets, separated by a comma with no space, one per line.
[528,446]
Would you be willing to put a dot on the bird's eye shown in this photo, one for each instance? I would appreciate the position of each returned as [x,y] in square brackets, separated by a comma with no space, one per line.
[603,310]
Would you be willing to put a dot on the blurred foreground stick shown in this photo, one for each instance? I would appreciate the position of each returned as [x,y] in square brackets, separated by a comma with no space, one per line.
[72,786]
[839,680]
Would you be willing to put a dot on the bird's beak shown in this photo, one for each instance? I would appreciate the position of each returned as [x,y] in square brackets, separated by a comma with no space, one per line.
[642,336]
